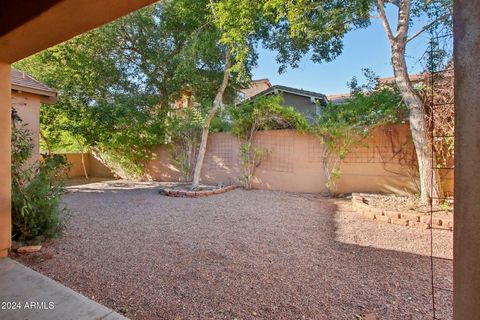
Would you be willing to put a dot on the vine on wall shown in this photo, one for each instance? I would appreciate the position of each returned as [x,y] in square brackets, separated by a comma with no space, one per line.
[341,127]
[263,113]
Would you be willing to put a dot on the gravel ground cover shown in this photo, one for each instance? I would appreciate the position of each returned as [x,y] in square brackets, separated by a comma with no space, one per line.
[241,255]
[407,203]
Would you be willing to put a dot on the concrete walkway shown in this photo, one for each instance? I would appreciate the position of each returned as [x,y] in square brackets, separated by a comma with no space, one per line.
[37,297]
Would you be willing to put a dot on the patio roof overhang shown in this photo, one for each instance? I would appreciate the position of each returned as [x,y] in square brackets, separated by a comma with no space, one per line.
[29,26]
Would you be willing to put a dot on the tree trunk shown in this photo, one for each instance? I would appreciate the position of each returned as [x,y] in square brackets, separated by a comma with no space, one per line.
[429,180]
[83,165]
[429,186]
[217,103]
[115,169]
[82,152]
[47,144]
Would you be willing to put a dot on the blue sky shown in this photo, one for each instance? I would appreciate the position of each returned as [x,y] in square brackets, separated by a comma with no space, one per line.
[365,48]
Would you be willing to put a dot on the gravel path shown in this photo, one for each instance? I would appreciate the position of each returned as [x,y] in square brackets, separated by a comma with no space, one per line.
[241,255]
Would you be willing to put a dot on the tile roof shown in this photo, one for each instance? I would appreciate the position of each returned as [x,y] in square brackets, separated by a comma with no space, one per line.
[22,80]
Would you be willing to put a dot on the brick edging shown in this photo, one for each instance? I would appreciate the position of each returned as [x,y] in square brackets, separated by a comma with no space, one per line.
[411,219]
[195,194]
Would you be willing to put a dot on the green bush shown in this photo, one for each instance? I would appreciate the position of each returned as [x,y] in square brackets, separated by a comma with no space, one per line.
[36,190]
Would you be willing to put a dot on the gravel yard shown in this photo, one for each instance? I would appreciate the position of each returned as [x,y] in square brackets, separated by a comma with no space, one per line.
[242,255]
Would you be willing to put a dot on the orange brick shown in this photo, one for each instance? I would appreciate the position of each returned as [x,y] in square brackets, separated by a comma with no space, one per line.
[425,219]
[382,218]
[448,223]
[410,217]
[400,222]
[419,225]
[376,210]
[392,214]
[368,215]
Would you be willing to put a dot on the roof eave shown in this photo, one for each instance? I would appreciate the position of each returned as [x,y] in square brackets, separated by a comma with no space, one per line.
[47,97]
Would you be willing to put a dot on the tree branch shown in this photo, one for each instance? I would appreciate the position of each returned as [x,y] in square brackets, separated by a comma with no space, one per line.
[403,20]
[386,24]
[425,28]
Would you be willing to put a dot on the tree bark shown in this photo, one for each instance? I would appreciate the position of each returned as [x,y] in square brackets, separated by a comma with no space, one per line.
[47,144]
[115,169]
[82,153]
[217,104]
[429,179]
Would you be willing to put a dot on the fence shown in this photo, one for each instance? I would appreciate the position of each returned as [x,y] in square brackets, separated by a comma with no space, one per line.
[93,167]
[383,162]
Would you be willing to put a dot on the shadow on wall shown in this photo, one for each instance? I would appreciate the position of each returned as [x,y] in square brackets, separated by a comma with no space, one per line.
[94,168]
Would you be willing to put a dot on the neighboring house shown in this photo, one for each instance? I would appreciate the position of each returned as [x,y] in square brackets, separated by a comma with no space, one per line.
[339,98]
[307,103]
[418,81]
[27,96]
[255,87]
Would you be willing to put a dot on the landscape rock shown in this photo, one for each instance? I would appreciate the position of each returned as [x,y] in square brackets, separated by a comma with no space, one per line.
[29,249]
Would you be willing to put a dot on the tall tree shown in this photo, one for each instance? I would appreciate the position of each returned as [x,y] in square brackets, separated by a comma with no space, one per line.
[318,27]
[118,83]
[241,23]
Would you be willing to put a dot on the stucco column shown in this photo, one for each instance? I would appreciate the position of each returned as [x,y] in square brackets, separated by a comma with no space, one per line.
[5,118]
[466,263]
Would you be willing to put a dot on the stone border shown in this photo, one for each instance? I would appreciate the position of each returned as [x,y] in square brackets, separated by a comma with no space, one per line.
[195,194]
[410,219]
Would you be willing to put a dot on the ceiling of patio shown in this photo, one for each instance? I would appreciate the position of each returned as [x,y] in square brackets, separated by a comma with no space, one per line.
[29,26]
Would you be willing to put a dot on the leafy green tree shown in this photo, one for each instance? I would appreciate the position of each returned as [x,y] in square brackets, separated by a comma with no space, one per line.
[118,83]
[318,27]
[241,23]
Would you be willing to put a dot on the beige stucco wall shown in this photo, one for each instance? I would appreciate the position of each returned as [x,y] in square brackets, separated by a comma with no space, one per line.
[94,167]
[384,162]
[28,108]
[5,185]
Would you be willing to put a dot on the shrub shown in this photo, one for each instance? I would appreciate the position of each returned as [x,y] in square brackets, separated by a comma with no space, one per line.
[262,113]
[36,189]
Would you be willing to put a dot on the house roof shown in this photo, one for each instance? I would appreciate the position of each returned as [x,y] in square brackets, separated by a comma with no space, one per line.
[295,91]
[24,82]
[262,80]
[339,98]
[413,78]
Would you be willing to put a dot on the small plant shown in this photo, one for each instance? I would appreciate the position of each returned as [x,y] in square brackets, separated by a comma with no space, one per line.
[341,127]
[263,113]
[250,157]
[36,189]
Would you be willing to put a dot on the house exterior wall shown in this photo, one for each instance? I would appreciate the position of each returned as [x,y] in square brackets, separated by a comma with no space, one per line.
[302,104]
[5,160]
[255,88]
[28,108]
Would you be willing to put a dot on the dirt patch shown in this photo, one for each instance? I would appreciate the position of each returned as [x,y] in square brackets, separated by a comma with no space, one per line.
[241,255]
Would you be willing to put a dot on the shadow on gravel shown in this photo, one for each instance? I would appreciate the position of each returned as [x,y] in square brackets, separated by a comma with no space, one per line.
[243,255]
